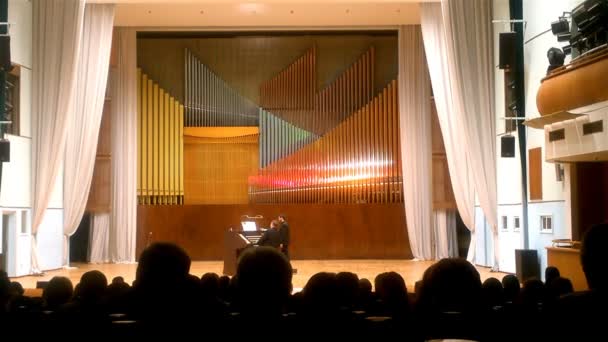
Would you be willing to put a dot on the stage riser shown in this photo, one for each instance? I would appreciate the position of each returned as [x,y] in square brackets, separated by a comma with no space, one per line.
[375,231]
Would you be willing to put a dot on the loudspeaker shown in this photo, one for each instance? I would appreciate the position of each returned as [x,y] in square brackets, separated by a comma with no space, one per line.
[507,146]
[5,53]
[526,264]
[506,48]
[559,172]
[5,151]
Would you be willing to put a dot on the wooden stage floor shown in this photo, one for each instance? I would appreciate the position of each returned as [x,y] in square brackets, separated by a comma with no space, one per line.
[410,270]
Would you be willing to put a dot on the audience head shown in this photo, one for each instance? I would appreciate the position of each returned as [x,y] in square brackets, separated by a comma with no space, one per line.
[348,287]
[532,293]
[118,280]
[559,286]
[263,280]
[282,218]
[92,286]
[594,253]
[390,287]
[274,223]
[17,288]
[365,287]
[551,272]
[57,292]
[511,287]
[162,266]
[5,289]
[321,293]
[492,292]
[451,285]
[210,284]
[224,288]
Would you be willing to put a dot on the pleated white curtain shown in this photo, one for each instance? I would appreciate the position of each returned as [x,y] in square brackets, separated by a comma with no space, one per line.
[446,241]
[99,238]
[416,146]
[57,30]
[458,43]
[123,223]
[85,119]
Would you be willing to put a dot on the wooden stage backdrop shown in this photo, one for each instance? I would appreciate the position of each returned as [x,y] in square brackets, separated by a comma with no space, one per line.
[324,231]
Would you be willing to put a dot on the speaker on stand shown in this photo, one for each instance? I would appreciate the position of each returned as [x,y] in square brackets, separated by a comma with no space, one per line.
[526,264]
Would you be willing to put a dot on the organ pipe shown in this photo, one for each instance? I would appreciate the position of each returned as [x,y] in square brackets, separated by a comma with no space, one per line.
[160,144]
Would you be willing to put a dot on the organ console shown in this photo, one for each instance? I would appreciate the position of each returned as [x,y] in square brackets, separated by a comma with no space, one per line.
[236,241]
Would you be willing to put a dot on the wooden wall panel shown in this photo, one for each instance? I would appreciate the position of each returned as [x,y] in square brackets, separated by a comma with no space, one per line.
[443,195]
[100,199]
[591,204]
[317,231]
[216,170]
[100,195]
[535,173]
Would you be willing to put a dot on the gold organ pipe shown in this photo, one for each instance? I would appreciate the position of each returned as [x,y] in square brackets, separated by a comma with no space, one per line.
[139,140]
[161,148]
[160,141]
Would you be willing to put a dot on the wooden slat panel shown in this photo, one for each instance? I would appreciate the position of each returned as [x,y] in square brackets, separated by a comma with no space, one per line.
[100,195]
[536,173]
[354,229]
[161,142]
[100,199]
[140,105]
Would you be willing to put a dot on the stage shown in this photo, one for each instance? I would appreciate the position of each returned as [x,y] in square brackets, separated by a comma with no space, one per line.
[411,270]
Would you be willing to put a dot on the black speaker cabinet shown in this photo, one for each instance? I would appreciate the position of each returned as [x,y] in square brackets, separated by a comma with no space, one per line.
[507,146]
[5,53]
[506,50]
[526,264]
[5,151]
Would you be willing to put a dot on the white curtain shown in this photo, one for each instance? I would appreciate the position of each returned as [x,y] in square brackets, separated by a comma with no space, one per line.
[446,241]
[416,146]
[99,238]
[57,30]
[85,119]
[124,149]
[458,42]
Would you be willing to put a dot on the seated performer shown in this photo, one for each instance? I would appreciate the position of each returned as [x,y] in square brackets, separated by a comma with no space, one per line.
[271,237]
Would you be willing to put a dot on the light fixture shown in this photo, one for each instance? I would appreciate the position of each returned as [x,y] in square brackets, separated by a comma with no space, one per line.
[564,37]
[560,26]
[556,58]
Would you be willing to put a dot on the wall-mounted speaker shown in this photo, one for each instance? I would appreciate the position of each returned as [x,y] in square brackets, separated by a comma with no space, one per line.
[526,264]
[5,53]
[5,151]
[506,50]
[507,146]
[559,172]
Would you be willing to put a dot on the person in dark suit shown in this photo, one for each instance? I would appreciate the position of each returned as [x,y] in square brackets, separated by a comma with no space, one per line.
[272,236]
[284,233]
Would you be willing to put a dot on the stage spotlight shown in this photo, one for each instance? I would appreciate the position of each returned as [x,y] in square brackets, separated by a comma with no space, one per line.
[560,27]
[563,37]
[556,59]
